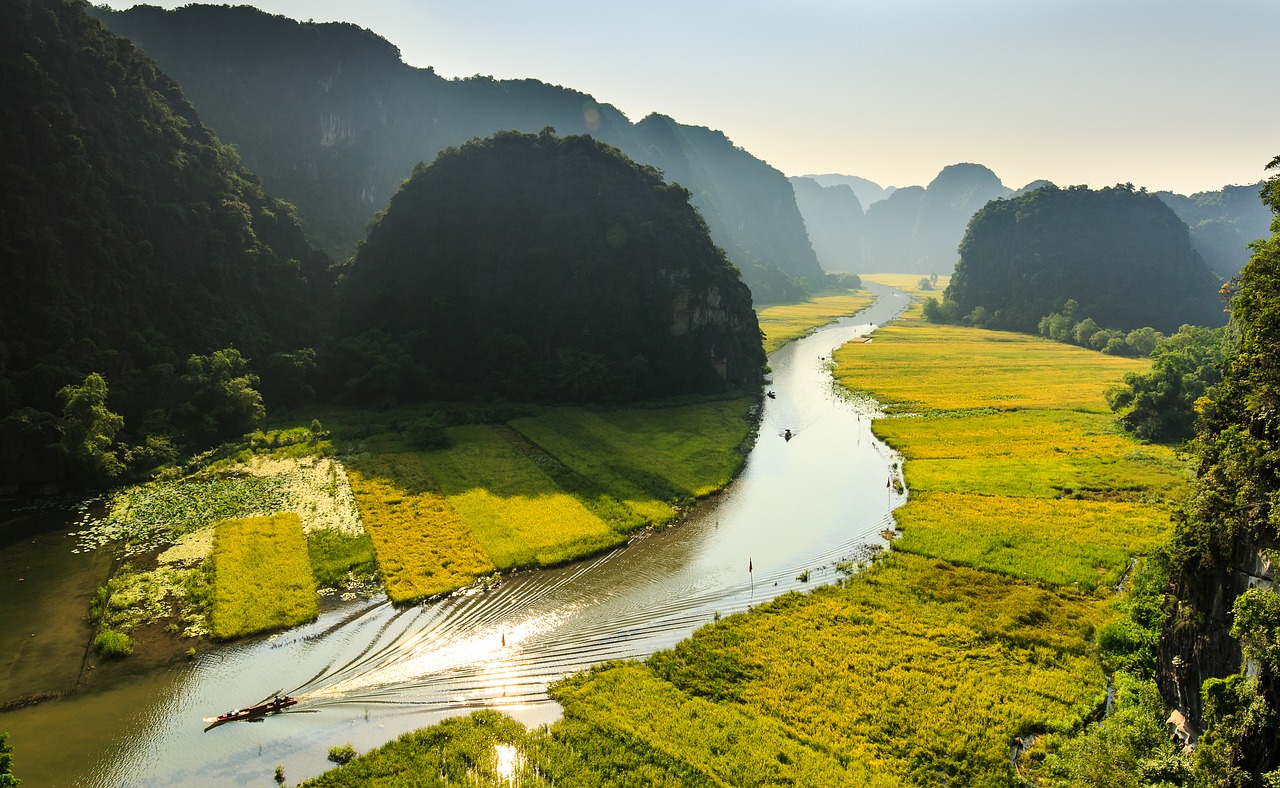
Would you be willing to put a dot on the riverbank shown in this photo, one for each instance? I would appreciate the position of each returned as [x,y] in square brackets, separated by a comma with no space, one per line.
[975,631]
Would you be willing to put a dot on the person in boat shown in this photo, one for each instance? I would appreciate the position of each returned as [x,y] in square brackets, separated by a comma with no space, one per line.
[786,434]
[771,395]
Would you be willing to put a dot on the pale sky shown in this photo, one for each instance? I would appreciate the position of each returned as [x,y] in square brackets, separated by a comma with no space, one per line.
[1166,94]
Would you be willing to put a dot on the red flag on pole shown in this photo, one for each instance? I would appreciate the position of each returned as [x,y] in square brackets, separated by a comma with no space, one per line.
[889,482]
[749,566]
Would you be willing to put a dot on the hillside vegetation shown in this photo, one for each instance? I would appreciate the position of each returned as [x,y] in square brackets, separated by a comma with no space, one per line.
[1122,255]
[536,267]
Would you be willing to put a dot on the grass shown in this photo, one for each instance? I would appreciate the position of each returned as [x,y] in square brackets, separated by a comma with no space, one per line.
[336,557]
[919,669]
[262,576]
[786,322]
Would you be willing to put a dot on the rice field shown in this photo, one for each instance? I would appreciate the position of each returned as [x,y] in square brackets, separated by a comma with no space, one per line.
[423,547]
[1040,453]
[1056,542]
[648,458]
[519,516]
[785,322]
[917,366]
[262,576]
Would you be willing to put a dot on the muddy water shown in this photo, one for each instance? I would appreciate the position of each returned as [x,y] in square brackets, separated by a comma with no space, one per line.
[367,671]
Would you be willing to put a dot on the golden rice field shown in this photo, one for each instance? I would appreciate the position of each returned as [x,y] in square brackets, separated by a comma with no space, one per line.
[918,669]
[519,516]
[909,284]
[423,546]
[262,576]
[1041,453]
[785,322]
[915,366]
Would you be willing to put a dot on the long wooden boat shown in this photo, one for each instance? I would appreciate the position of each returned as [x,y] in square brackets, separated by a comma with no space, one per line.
[256,712]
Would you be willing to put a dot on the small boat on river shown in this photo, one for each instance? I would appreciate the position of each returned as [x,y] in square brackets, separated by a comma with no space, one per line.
[254,713]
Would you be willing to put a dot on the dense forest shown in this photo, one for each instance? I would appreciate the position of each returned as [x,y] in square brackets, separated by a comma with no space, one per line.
[533,266]
[1120,254]
[157,301]
[332,119]
[132,241]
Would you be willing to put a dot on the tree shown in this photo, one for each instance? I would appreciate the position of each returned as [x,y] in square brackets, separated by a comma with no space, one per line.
[221,400]
[7,780]
[88,429]
[1161,404]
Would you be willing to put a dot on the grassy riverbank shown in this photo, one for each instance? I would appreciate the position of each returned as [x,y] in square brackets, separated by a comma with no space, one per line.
[977,629]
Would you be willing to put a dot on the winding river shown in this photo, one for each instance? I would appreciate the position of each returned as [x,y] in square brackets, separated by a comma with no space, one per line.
[367,671]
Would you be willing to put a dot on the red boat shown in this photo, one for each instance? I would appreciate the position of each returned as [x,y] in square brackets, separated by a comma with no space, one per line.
[253,713]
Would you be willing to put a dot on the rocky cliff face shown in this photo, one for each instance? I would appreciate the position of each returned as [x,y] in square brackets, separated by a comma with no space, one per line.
[1197,643]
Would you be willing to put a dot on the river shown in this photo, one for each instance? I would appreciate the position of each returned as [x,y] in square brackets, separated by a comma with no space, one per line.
[367,671]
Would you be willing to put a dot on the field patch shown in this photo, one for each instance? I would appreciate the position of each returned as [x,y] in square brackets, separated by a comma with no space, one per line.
[519,516]
[917,366]
[785,322]
[648,458]
[917,668]
[1041,453]
[1059,542]
[262,576]
[422,545]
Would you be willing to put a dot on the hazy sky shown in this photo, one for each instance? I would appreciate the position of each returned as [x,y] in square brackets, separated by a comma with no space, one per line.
[1167,94]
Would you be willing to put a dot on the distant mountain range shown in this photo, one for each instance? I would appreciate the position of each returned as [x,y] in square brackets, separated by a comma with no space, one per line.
[856,225]
[331,119]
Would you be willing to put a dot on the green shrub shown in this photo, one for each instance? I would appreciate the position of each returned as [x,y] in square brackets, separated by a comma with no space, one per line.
[342,753]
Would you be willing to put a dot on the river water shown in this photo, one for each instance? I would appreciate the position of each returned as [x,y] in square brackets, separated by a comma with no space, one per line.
[367,671]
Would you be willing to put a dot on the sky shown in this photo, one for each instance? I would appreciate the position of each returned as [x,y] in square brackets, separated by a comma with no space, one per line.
[1174,95]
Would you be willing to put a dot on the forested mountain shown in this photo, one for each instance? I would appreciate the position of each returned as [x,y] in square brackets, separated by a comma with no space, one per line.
[331,119]
[1223,224]
[1220,648]
[130,236]
[1121,254]
[833,217]
[533,265]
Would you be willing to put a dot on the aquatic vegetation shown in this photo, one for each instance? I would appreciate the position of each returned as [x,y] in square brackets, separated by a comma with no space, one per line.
[783,323]
[913,366]
[112,644]
[262,576]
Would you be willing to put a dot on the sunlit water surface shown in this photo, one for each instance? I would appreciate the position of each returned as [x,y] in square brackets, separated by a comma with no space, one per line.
[368,671]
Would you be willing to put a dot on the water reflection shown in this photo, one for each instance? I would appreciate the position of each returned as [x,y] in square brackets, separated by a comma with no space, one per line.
[367,671]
